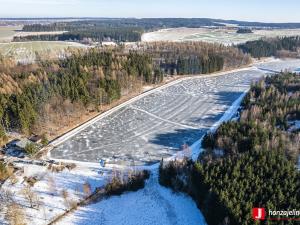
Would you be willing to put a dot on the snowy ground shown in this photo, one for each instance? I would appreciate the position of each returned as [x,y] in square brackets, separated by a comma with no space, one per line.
[223,36]
[153,205]
[7,32]
[25,52]
[48,199]
[159,123]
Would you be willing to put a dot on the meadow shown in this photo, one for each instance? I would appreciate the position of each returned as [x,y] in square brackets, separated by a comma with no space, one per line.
[7,32]
[213,35]
[26,52]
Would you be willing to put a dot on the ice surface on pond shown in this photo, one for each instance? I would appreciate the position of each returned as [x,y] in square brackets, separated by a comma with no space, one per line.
[159,124]
[280,65]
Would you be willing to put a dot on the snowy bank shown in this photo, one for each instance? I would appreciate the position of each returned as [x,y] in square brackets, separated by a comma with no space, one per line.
[154,205]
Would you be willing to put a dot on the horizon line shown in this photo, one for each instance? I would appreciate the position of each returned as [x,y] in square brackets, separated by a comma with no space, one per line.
[96,17]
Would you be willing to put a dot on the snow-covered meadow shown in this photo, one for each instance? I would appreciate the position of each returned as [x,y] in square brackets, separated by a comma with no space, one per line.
[51,195]
[25,52]
[153,205]
[212,35]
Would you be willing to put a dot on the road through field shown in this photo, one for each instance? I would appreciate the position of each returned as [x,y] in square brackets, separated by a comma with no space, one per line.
[158,124]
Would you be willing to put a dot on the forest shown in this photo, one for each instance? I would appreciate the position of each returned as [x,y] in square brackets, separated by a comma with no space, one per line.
[271,46]
[146,24]
[251,159]
[118,30]
[96,34]
[195,57]
[268,112]
[37,97]
[86,80]
[244,31]
[149,24]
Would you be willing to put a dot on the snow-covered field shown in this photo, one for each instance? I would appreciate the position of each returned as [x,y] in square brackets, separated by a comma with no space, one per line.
[153,205]
[47,192]
[223,36]
[25,34]
[158,124]
[25,52]
[7,32]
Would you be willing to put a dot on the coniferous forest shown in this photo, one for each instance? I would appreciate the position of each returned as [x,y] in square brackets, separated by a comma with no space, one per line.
[249,163]
[151,23]
[271,46]
[84,80]
[97,34]
[195,57]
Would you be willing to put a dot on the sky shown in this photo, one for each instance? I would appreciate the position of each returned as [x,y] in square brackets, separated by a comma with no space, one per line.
[248,10]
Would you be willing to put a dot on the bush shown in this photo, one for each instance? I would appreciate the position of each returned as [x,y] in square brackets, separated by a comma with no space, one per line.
[15,214]
[5,172]
[3,137]
[45,140]
[31,149]
[135,181]
[173,174]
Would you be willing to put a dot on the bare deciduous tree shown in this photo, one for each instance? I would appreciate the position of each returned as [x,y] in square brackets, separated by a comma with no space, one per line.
[30,196]
[15,215]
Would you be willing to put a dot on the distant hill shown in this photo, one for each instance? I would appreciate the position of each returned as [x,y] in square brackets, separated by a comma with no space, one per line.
[154,23]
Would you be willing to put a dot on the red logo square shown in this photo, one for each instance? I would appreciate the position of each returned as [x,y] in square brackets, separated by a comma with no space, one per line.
[258,213]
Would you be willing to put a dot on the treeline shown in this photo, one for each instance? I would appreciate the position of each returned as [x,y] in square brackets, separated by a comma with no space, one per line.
[249,163]
[194,57]
[33,94]
[198,64]
[145,24]
[153,23]
[268,112]
[271,46]
[45,27]
[96,34]
[244,31]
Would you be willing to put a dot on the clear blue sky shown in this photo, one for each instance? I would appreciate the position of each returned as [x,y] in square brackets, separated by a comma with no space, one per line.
[251,10]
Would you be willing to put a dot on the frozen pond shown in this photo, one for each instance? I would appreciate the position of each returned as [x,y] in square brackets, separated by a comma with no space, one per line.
[158,125]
